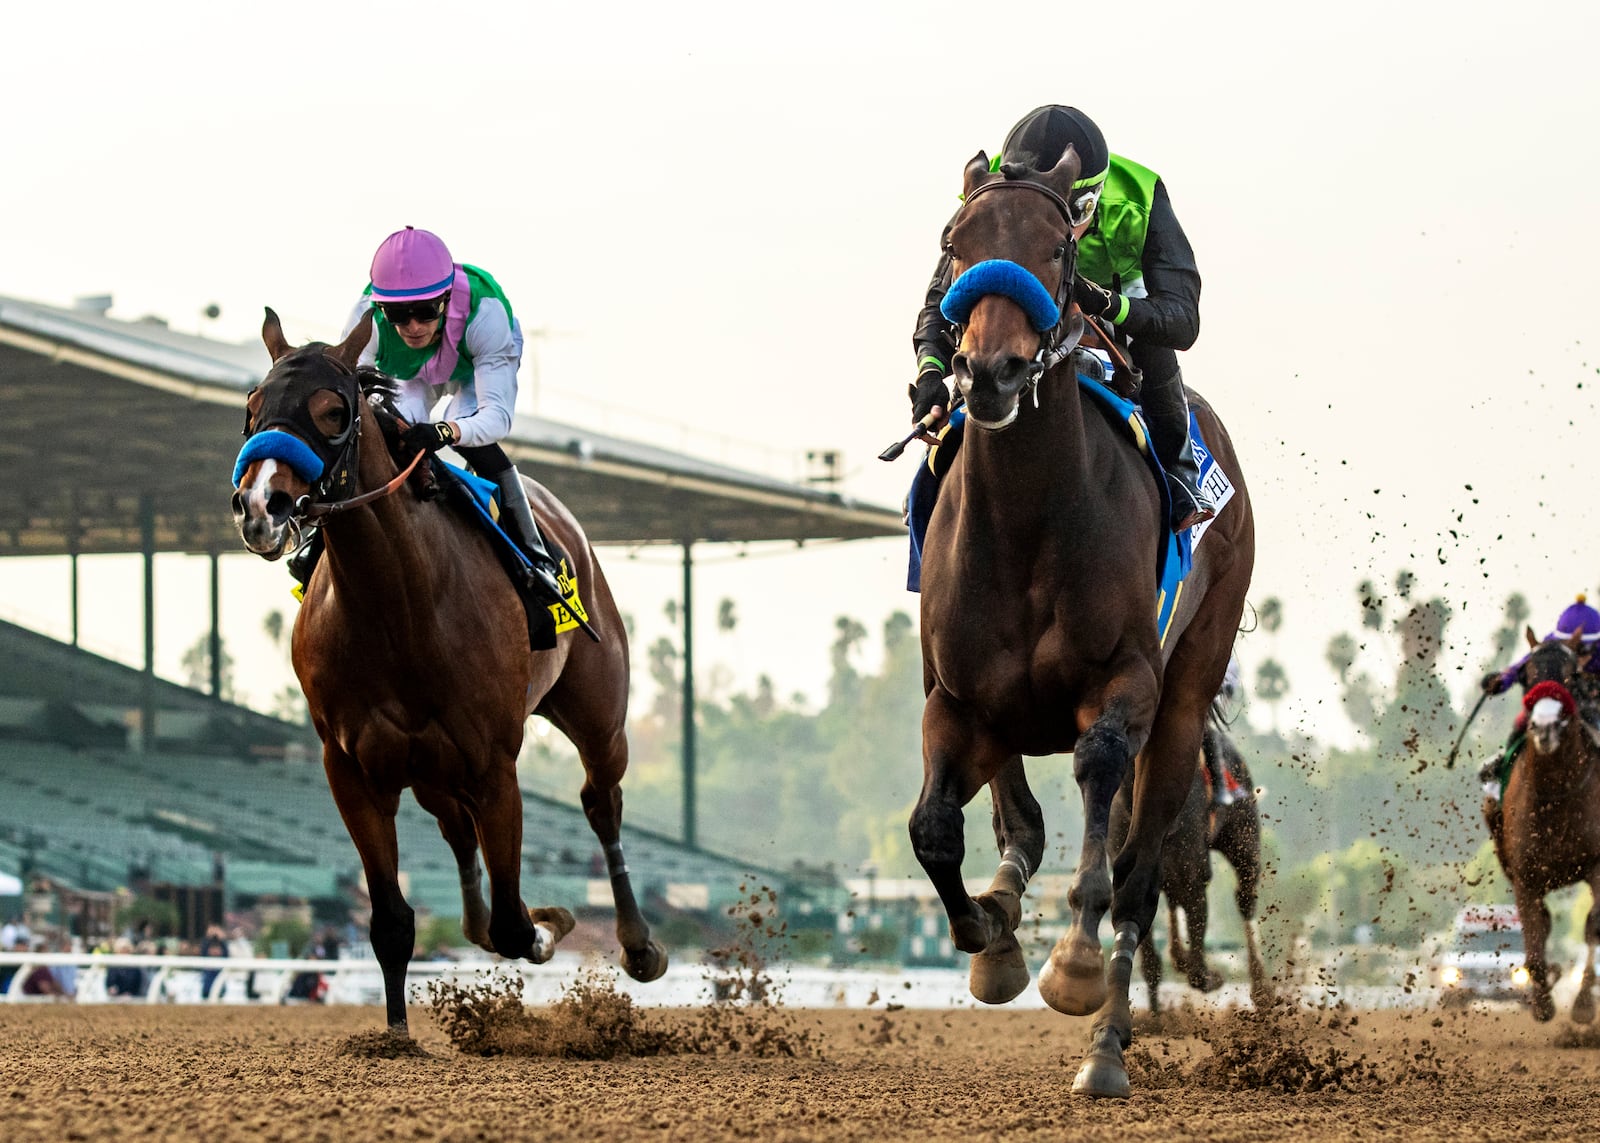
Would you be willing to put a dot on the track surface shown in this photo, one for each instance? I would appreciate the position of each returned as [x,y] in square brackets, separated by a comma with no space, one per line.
[165,1072]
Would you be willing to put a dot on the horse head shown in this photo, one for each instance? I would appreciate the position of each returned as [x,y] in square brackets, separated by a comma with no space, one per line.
[301,425]
[1012,256]
[1548,677]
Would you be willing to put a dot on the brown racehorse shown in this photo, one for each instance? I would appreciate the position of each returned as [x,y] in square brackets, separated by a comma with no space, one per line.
[1234,831]
[1548,830]
[1039,627]
[413,652]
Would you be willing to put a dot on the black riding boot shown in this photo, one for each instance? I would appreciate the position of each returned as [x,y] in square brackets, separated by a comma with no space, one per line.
[542,574]
[303,560]
[1222,794]
[1167,410]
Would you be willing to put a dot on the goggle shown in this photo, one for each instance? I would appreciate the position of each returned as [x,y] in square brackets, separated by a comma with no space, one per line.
[403,313]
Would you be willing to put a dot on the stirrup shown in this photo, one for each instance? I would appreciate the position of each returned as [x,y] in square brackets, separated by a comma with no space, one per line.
[539,576]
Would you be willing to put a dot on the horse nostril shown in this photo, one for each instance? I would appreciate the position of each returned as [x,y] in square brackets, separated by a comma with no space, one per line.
[961,366]
[237,501]
[279,505]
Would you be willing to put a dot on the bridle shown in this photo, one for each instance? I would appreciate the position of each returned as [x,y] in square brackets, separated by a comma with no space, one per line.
[1061,339]
[338,475]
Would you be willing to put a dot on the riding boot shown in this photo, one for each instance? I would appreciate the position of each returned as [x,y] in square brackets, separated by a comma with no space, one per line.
[1167,410]
[303,560]
[541,575]
[1222,794]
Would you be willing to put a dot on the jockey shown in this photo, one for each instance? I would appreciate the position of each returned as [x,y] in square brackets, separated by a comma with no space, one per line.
[1578,619]
[1136,270]
[440,327]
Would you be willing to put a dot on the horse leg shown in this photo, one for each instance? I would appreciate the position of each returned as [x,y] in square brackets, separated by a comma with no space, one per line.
[1240,844]
[957,760]
[1583,1003]
[1180,954]
[1535,931]
[1073,980]
[1150,962]
[1000,972]
[643,958]
[1162,782]
[369,817]
[515,931]
[455,825]
[1197,917]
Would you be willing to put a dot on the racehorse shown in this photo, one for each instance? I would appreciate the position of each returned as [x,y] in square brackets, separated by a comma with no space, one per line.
[1548,835]
[1234,831]
[413,652]
[1040,618]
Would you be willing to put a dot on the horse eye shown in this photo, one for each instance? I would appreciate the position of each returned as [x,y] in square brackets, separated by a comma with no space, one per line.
[1061,252]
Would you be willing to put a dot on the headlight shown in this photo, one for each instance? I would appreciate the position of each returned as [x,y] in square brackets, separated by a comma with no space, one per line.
[1450,974]
[1519,976]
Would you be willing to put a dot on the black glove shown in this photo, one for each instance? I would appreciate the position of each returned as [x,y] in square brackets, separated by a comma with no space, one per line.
[928,390]
[1491,683]
[429,437]
[1094,299]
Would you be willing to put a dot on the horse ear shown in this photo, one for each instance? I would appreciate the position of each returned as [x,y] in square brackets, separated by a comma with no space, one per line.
[1060,177]
[1575,640]
[348,351]
[1533,640]
[976,174]
[272,334]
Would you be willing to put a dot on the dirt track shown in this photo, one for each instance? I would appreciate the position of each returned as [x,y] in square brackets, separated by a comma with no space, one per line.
[164,1072]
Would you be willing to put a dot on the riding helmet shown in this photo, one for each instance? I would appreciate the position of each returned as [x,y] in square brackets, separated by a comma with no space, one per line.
[1041,136]
[411,265]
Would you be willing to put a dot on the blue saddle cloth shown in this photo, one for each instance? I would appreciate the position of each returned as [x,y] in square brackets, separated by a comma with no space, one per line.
[1175,556]
[483,497]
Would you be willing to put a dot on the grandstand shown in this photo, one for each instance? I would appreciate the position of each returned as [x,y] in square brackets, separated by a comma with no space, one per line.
[234,800]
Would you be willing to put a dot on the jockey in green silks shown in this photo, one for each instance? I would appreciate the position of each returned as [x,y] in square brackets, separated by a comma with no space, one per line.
[1135,270]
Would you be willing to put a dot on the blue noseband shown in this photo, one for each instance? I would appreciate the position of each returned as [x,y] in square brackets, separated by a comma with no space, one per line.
[274,444]
[1009,280]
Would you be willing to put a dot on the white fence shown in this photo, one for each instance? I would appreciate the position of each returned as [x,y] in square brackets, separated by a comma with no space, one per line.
[357,980]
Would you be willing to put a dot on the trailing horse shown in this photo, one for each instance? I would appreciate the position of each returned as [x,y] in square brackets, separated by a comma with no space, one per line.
[1043,629]
[1234,831]
[412,649]
[1546,828]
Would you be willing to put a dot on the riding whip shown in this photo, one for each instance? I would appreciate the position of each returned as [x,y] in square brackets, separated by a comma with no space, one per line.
[893,451]
[1450,762]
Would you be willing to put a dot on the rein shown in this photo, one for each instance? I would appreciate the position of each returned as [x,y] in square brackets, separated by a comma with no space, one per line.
[307,510]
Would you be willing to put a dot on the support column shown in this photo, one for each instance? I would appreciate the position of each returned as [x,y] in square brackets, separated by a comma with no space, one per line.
[147,687]
[216,629]
[688,695]
[74,603]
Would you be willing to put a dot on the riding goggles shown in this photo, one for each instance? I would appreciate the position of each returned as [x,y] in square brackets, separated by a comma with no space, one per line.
[403,313]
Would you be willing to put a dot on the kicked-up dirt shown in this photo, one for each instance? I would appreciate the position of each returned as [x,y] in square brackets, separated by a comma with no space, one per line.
[595,1068]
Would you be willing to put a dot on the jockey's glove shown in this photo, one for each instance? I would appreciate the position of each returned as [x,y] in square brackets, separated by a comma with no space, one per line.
[429,437]
[929,390]
[1491,683]
[1095,300]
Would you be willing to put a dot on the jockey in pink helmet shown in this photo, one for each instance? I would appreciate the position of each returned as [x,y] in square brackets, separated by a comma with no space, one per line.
[446,334]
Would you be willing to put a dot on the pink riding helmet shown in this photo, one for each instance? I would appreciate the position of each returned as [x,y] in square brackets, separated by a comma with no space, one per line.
[411,265]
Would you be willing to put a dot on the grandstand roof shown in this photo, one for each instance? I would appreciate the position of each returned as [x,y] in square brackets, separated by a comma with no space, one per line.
[99,412]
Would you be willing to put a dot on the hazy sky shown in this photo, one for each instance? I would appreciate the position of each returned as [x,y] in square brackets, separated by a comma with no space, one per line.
[726,216]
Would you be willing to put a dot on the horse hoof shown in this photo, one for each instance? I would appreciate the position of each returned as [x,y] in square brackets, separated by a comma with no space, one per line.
[1207,981]
[1262,996]
[1583,1009]
[1078,987]
[1544,1009]
[999,974]
[1102,1075]
[558,921]
[647,963]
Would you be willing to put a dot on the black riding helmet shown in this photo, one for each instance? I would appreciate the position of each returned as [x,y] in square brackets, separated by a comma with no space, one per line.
[1041,137]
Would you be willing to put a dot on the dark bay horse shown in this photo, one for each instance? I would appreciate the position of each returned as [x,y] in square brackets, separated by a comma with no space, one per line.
[1234,831]
[1040,621]
[1547,828]
[412,648]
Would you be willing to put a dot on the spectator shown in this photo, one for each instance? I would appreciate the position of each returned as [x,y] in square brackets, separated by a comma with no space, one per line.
[124,980]
[40,981]
[214,943]
[66,974]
